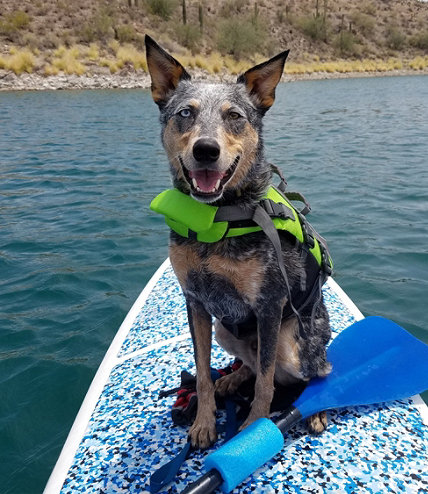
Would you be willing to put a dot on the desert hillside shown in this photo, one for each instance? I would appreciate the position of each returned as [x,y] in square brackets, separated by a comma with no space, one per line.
[87,37]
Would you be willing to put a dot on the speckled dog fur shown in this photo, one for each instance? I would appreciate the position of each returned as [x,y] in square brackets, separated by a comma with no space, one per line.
[215,130]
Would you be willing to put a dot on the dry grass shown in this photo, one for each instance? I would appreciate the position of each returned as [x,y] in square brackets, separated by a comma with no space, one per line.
[111,64]
[215,63]
[78,59]
[347,66]
[236,67]
[419,63]
[50,70]
[121,56]
[18,61]
[67,60]
[93,52]
[128,54]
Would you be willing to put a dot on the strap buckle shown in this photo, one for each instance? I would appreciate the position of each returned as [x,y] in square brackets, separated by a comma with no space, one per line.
[308,236]
[276,209]
[325,260]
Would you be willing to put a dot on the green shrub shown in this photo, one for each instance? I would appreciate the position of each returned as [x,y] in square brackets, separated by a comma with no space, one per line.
[345,43]
[162,8]
[241,38]
[395,39]
[232,7]
[18,19]
[368,8]
[14,22]
[363,23]
[31,41]
[98,28]
[313,27]
[50,41]
[189,36]
[125,33]
[420,40]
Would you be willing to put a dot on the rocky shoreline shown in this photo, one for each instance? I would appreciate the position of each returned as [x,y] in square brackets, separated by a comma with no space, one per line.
[140,80]
[37,82]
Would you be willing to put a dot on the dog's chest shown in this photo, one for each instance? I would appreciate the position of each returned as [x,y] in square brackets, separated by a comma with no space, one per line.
[225,286]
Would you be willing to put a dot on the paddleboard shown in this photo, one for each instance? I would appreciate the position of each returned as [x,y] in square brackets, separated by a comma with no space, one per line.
[124,432]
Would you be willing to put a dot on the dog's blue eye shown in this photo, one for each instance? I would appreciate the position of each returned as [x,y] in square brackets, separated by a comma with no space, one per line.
[185,113]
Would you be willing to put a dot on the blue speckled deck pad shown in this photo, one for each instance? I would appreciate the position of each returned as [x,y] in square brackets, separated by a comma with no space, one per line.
[369,449]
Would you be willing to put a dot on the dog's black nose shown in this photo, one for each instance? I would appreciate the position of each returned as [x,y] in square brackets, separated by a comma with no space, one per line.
[206,150]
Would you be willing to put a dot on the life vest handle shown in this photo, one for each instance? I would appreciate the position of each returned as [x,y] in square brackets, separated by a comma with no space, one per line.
[283,184]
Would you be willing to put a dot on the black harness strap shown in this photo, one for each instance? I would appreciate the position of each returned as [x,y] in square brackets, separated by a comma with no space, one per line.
[241,213]
[233,213]
[264,221]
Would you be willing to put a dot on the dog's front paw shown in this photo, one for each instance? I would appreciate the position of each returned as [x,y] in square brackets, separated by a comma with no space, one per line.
[227,385]
[202,433]
[317,423]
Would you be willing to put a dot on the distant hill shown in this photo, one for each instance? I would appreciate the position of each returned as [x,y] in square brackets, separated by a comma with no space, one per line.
[87,35]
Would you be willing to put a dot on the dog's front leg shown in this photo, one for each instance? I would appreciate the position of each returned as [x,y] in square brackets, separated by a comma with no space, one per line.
[268,326]
[203,432]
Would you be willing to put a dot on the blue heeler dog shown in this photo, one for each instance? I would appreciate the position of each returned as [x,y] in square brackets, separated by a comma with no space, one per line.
[212,134]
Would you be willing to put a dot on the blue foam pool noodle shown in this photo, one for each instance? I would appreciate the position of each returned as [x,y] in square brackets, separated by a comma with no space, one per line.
[247,451]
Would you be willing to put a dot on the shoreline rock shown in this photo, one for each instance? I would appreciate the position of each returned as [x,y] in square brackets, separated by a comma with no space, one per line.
[140,80]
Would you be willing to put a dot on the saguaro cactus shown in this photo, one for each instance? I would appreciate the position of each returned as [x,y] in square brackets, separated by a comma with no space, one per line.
[201,17]
[183,6]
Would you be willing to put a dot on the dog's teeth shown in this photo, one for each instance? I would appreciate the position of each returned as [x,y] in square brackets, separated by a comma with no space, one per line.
[197,188]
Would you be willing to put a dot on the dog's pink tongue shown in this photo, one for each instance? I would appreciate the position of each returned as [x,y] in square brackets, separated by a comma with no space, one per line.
[206,179]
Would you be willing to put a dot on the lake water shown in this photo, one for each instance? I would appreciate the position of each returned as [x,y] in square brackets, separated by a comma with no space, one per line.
[78,242]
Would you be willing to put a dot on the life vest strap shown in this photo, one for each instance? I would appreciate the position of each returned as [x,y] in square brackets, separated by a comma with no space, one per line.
[264,221]
[241,213]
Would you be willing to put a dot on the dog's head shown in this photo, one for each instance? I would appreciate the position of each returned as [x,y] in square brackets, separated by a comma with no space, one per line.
[212,132]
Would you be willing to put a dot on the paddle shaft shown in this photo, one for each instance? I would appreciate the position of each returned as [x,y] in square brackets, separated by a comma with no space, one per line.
[205,484]
[287,419]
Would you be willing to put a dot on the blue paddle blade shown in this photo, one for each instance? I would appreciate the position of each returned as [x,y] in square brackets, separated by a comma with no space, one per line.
[374,360]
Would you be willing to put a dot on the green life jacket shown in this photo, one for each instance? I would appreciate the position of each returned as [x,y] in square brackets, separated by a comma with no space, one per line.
[190,218]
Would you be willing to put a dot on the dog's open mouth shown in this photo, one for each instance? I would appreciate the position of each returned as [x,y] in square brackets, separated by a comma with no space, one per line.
[209,183]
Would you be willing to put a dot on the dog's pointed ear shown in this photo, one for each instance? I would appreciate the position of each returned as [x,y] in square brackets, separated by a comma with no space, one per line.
[261,80]
[166,72]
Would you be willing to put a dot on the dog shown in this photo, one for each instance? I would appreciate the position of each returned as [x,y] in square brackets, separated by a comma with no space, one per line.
[212,135]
